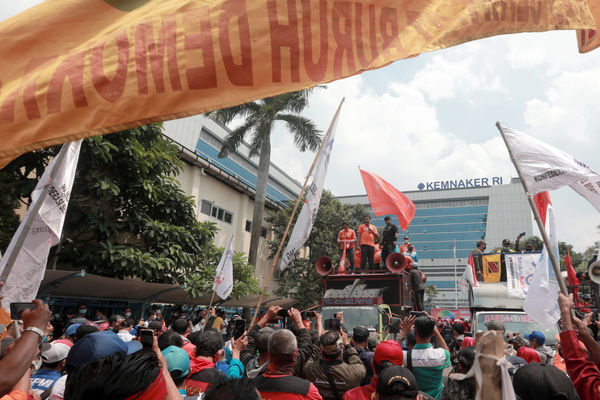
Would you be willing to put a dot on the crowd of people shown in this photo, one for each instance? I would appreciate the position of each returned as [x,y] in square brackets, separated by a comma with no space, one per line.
[278,358]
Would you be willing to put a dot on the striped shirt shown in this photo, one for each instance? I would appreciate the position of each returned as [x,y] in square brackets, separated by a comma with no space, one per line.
[428,365]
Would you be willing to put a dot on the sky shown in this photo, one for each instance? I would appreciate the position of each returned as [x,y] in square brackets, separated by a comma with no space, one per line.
[433,117]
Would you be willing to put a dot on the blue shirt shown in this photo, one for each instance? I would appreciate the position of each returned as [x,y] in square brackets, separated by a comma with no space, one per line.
[44,379]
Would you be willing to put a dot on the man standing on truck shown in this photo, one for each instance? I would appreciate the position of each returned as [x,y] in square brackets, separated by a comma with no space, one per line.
[346,239]
[418,288]
[481,245]
[388,239]
[367,234]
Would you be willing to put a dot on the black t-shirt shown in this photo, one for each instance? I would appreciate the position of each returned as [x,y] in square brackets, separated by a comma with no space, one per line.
[389,234]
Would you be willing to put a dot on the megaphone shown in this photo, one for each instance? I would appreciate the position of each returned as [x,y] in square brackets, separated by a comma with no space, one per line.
[594,272]
[324,266]
[396,263]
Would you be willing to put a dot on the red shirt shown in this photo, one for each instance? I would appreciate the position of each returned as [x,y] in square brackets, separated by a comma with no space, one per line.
[583,373]
[346,235]
[362,392]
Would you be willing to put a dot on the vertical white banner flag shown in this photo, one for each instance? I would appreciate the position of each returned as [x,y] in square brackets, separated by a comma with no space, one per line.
[308,214]
[468,278]
[223,284]
[23,281]
[541,301]
[519,273]
[546,168]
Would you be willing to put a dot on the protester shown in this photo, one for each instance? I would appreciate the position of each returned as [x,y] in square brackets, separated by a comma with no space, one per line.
[329,372]
[410,252]
[481,246]
[404,246]
[170,338]
[537,381]
[234,389]
[178,364]
[528,354]
[397,383]
[537,342]
[54,357]
[360,339]
[389,237]
[278,381]
[387,353]
[125,327]
[461,389]
[418,288]
[182,327]
[367,235]
[346,239]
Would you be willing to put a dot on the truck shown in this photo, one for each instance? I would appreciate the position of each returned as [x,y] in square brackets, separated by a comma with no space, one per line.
[490,301]
[368,299]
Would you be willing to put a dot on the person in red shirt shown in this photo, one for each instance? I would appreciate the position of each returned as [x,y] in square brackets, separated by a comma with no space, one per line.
[346,238]
[367,234]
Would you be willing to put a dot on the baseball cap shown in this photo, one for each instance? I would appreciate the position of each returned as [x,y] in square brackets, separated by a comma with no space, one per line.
[177,360]
[519,341]
[95,345]
[537,381]
[54,352]
[388,350]
[537,336]
[397,381]
[72,329]
[504,241]
[494,325]
[360,334]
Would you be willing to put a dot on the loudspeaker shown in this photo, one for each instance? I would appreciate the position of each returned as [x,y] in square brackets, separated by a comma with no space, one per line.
[324,266]
[396,263]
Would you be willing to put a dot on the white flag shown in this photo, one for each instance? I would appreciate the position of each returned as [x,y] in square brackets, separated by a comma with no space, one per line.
[223,284]
[468,278]
[23,281]
[308,214]
[541,302]
[547,168]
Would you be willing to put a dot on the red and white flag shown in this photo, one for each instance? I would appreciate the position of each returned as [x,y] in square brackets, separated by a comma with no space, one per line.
[542,200]
[386,199]
[469,278]
[572,275]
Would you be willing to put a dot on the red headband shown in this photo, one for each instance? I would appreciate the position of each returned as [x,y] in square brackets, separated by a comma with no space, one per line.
[157,390]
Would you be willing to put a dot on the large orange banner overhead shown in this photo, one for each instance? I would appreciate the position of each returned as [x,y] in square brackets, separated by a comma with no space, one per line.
[74,68]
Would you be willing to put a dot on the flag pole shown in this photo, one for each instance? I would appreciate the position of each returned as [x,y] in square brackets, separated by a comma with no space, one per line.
[455,279]
[536,215]
[287,228]
[30,216]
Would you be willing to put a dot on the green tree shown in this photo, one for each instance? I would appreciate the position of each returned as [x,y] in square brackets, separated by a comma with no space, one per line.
[300,280]
[129,217]
[260,118]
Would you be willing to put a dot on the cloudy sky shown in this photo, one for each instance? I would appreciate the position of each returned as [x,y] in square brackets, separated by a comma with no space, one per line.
[433,117]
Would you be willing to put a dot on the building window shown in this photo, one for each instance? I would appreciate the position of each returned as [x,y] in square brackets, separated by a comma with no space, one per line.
[216,212]
[205,207]
[248,226]
[263,232]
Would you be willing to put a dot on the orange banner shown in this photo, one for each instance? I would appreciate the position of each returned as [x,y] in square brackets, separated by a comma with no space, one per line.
[589,39]
[73,69]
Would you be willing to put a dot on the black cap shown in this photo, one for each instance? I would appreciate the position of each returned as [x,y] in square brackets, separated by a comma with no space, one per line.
[397,381]
[360,334]
[537,381]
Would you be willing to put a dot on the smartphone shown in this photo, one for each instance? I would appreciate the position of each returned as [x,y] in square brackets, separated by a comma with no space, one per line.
[282,313]
[333,324]
[417,313]
[16,309]
[239,326]
[147,336]
[335,315]
[522,234]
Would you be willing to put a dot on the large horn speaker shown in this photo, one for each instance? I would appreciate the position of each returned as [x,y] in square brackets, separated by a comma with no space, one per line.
[396,263]
[594,272]
[324,266]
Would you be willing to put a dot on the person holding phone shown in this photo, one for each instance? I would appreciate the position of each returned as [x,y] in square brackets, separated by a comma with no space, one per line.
[367,235]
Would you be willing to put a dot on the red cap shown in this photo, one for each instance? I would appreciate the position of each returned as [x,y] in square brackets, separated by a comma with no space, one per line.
[389,350]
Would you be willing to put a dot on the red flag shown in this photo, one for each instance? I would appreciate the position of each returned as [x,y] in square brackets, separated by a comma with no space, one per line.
[541,201]
[573,281]
[386,199]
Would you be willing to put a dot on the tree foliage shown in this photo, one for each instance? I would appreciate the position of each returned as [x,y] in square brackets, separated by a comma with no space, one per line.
[300,280]
[129,217]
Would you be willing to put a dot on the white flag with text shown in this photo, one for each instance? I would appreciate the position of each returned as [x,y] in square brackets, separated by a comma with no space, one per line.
[308,214]
[545,167]
[23,281]
[223,284]
[541,301]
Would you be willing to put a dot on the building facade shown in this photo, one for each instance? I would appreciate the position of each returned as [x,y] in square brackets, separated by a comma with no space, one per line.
[224,188]
[492,211]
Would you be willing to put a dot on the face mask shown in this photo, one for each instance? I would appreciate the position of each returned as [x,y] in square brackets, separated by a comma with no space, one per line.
[406,241]
[83,311]
[128,315]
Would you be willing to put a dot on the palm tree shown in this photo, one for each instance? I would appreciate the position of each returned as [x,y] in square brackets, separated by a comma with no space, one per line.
[260,118]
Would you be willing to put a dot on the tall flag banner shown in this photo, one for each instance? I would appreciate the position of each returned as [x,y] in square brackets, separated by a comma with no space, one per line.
[308,214]
[541,201]
[469,277]
[572,276]
[588,39]
[491,267]
[79,71]
[545,167]
[43,228]
[541,302]
[519,273]
[386,199]
[223,284]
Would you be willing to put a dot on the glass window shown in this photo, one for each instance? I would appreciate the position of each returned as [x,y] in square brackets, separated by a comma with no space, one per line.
[205,207]
[227,217]
[214,212]
[263,232]
[220,214]
[248,226]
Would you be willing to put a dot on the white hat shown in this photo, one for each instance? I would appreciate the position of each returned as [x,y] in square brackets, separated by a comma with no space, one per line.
[54,352]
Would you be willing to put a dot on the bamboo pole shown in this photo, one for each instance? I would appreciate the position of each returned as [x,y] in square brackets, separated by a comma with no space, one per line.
[287,228]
